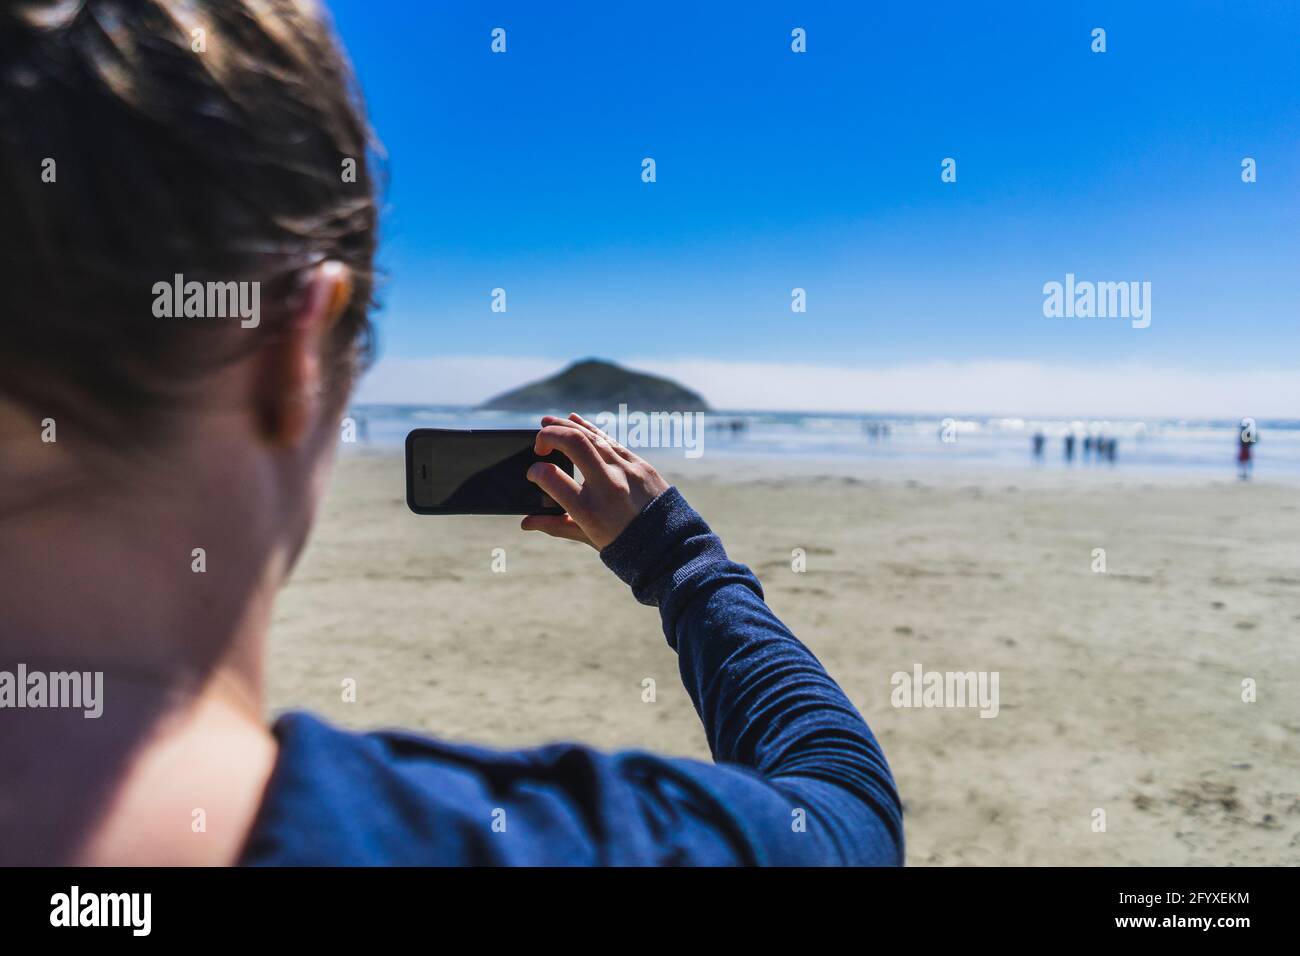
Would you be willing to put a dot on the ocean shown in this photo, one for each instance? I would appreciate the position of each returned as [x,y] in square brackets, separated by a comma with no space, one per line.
[1152,445]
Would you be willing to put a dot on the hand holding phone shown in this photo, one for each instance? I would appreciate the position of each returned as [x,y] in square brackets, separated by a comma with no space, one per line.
[616,485]
[483,472]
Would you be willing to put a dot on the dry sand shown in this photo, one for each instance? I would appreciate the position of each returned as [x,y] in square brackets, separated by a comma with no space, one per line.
[1119,690]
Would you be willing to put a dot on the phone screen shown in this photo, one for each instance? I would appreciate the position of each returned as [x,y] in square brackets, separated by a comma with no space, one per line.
[476,472]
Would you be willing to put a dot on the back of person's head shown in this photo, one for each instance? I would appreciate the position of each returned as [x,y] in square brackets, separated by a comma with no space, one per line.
[222,141]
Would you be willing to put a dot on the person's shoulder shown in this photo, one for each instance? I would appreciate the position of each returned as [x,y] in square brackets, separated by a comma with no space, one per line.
[375,798]
[395,797]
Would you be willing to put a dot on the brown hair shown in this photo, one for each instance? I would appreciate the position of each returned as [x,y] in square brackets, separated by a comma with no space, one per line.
[224,163]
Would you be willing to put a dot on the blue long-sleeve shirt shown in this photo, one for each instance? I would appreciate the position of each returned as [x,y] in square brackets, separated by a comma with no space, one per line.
[799,779]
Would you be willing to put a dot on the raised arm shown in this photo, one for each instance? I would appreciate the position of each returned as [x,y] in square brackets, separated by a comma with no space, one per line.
[815,786]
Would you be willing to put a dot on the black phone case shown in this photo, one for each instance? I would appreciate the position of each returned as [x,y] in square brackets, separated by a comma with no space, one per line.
[556,458]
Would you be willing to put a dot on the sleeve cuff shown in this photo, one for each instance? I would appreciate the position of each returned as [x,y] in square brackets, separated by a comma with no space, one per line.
[665,539]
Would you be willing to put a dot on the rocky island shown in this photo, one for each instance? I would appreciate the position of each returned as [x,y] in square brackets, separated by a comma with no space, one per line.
[594,384]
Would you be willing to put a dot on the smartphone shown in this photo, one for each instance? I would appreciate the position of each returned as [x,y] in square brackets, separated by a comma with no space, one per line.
[476,472]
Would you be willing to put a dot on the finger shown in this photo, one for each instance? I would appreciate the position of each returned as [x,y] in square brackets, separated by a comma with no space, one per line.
[566,422]
[557,526]
[561,487]
[606,447]
[609,450]
[587,426]
[574,442]
[578,423]
[617,449]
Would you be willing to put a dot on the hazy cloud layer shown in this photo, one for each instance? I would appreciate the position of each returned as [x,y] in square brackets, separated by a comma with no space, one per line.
[991,387]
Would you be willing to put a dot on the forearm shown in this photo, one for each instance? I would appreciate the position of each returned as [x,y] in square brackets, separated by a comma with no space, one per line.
[764,699]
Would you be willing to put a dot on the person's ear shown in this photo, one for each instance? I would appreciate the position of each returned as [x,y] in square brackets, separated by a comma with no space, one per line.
[291,383]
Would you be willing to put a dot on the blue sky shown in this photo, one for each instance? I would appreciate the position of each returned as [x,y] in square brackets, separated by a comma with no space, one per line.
[822,170]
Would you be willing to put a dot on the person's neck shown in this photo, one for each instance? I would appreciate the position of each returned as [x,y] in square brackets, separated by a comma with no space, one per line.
[145,574]
[108,584]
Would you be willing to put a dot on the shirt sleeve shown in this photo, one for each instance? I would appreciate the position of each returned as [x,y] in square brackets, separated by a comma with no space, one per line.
[798,779]
[798,771]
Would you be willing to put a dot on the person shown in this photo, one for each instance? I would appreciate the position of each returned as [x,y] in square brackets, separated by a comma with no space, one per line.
[1038,441]
[1069,448]
[161,464]
[1246,439]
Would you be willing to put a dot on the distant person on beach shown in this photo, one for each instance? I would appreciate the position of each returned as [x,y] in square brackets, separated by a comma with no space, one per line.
[1069,448]
[1246,438]
[159,477]
[1039,441]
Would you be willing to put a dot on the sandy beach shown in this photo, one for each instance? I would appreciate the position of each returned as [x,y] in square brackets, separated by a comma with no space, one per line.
[1119,691]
